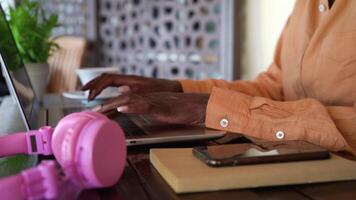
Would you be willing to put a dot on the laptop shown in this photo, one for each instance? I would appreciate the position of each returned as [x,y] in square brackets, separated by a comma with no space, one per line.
[139,130]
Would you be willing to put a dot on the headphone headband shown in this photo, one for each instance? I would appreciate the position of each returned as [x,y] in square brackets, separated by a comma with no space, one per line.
[89,148]
[40,182]
[33,142]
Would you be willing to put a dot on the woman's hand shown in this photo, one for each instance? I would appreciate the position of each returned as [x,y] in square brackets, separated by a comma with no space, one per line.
[178,108]
[130,83]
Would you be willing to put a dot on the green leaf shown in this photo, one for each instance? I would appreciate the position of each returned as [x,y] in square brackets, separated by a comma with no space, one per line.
[32,31]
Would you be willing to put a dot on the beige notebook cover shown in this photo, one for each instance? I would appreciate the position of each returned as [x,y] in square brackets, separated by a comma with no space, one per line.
[185,173]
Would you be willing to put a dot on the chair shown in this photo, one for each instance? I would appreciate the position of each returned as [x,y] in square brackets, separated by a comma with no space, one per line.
[64,62]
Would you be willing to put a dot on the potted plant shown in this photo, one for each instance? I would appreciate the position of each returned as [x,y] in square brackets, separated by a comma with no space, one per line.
[32,31]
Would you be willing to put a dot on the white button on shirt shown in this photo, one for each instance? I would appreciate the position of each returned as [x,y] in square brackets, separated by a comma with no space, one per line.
[280,135]
[224,122]
[322,8]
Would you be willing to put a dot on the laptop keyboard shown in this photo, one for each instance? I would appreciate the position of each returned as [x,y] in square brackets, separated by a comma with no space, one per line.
[129,127]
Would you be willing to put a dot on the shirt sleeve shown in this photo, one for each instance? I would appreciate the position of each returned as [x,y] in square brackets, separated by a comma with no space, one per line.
[333,128]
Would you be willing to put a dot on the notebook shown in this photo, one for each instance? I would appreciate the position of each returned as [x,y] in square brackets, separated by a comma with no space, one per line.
[186,174]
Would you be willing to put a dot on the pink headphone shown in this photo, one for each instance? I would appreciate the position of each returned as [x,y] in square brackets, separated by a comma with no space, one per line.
[89,147]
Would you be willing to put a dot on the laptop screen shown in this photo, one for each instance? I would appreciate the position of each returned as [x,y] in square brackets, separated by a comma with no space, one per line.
[15,72]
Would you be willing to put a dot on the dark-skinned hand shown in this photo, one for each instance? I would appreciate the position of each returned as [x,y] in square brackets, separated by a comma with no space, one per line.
[176,108]
[130,83]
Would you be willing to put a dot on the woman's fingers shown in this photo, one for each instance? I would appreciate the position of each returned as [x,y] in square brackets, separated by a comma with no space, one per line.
[126,103]
[97,85]
[111,104]
[166,107]
[124,89]
[114,103]
[122,109]
[91,83]
[94,87]
[96,91]
[139,106]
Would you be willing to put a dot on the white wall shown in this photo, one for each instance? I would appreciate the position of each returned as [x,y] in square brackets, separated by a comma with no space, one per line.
[265,21]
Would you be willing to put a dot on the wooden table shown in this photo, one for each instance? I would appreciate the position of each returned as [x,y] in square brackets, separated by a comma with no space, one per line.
[142,181]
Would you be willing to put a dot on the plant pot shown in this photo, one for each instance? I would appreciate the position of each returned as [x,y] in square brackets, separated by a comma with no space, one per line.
[39,76]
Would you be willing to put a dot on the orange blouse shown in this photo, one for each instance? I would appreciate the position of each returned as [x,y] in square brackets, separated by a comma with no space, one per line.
[309,91]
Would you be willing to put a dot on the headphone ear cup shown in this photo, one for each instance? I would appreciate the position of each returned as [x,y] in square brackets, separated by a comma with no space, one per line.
[65,134]
[101,153]
[91,149]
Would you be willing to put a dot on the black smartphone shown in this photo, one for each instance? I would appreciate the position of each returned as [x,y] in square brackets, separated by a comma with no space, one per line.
[246,154]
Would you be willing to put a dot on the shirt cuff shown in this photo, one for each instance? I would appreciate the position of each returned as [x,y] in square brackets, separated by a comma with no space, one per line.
[227,110]
[303,120]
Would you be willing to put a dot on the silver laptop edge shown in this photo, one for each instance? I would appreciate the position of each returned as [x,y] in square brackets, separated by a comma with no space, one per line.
[13,92]
[158,140]
[27,119]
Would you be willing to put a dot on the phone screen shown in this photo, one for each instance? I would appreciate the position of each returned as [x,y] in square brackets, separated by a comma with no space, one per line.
[240,154]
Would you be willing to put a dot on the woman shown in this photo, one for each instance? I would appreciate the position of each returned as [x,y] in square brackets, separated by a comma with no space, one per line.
[307,94]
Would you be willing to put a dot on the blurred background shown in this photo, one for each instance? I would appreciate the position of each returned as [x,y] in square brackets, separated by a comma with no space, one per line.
[176,39]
